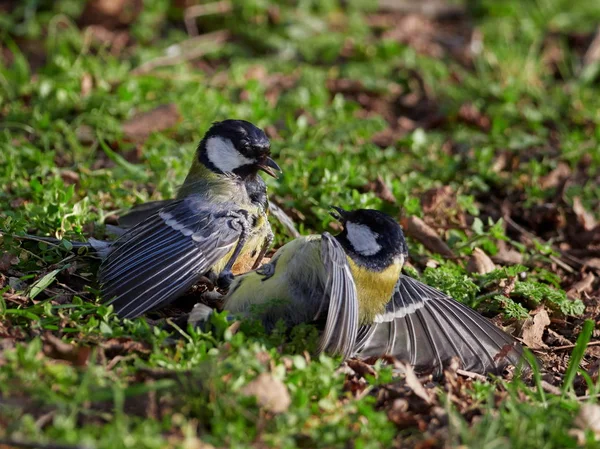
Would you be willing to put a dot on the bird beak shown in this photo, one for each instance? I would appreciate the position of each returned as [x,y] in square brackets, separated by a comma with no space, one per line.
[338,213]
[269,166]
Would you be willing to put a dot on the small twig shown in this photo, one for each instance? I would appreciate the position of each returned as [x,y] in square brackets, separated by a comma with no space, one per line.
[560,348]
[588,396]
[45,419]
[547,386]
[195,11]
[471,375]
[364,393]
[186,51]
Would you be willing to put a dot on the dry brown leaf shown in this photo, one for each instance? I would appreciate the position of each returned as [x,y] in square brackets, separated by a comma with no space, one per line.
[507,256]
[55,348]
[533,330]
[111,13]
[556,177]
[142,125]
[380,188]
[361,368]
[588,418]
[69,177]
[437,197]
[124,346]
[469,114]
[584,284]
[87,83]
[271,393]
[586,219]
[7,260]
[480,262]
[416,228]
[413,382]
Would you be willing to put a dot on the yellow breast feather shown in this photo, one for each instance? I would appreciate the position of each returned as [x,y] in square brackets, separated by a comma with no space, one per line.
[374,288]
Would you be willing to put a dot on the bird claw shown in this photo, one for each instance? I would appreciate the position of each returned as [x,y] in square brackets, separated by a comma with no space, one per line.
[225,279]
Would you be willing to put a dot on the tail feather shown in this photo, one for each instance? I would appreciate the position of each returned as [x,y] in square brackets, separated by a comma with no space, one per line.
[98,248]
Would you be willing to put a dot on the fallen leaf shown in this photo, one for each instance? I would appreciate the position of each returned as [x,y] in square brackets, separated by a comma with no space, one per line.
[413,382]
[69,177]
[142,125]
[361,368]
[437,197]
[585,218]
[469,114]
[480,262]
[111,13]
[584,284]
[87,83]
[533,330]
[588,418]
[7,260]
[420,231]
[507,256]
[271,394]
[556,177]
[123,345]
[85,134]
[55,348]
[380,188]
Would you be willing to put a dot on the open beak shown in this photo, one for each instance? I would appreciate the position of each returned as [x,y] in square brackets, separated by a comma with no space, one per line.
[338,213]
[269,166]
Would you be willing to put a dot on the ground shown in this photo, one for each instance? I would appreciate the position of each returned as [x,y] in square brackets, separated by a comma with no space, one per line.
[475,124]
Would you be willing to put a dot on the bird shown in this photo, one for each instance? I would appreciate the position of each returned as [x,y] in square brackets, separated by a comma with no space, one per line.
[218,224]
[219,219]
[351,285]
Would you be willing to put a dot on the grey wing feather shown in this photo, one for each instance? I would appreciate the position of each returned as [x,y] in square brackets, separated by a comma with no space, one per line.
[141,212]
[427,328]
[341,327]
[165,255]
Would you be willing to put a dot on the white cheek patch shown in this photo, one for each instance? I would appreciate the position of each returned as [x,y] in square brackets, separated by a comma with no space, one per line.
[224,156]
[362,239]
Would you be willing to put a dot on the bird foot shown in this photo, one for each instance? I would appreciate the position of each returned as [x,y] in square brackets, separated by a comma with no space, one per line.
[225,279]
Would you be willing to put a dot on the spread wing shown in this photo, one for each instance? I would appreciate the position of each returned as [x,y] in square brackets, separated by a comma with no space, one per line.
[162,257]
[341,326]
[137,214]
[427,328]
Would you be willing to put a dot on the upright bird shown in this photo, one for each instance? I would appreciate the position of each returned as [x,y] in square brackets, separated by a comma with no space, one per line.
[352,284]
[218,219]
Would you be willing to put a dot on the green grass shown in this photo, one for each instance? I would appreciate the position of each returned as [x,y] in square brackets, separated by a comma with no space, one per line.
[169,388]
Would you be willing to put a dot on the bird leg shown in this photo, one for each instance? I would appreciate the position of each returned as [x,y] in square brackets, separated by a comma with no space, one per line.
[263,250]
[226,276]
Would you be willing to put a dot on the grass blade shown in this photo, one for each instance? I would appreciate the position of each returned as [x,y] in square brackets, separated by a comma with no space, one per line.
[577,355]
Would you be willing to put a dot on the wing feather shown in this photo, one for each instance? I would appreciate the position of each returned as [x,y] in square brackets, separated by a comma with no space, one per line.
[162,257]
[340,296]
[427,328]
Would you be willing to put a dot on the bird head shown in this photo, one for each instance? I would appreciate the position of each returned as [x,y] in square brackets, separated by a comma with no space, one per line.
[370,236]
[238,147]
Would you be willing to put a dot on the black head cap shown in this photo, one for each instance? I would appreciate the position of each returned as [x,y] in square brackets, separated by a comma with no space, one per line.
[237,146]
[248,139]
[370,237]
